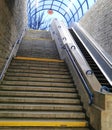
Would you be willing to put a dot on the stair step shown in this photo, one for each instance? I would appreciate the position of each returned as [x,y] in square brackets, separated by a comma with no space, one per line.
[43,125]
[37,107]
[39,100]
[43,128]
[47,54]
[33,47]
[12,78]
[37,72]
[38,34]
[36,38]
[35,62]
[37,83]
[38,89]
[41,114]
[26,64]
[38,94]
[39,59]
[38,68]
[30,38]
[37,75]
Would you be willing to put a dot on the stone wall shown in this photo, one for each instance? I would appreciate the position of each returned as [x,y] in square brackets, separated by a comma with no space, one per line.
[13,20]
[98,23]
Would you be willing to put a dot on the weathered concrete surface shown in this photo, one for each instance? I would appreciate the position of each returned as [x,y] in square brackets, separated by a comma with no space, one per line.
[12,22]
[98,23]
[38,34]
[38,44]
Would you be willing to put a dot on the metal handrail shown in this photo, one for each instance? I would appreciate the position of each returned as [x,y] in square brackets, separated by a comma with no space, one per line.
[11,54]
[104,88]
[90,94]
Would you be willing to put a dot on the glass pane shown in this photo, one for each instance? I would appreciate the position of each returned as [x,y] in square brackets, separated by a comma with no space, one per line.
[55,7]
[90,2]
[64,6]
[76,3]
[47,6]
[56,3]
[47,2]
[82,1]
[62,11]
[84,6]
[80,13]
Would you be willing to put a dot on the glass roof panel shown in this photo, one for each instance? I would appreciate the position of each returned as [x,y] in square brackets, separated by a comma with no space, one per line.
[85,8]
[66,10]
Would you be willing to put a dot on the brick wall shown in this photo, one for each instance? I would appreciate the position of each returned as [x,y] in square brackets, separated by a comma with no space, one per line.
[98,23]
[12,22]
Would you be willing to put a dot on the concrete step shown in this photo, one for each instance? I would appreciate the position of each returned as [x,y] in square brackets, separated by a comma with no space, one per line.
[38,62]
[33,47]
[22,78]
[35,100]
[18,64]
[37,50]
[42,128]
[38,107]
[37,33]
[41,52]
[47,54]
[14,74]
[38,68]
[38,94]
[37,72]
[49,51]
[58,124]
[41,114]
[28,83]
[34,53]
[38,88]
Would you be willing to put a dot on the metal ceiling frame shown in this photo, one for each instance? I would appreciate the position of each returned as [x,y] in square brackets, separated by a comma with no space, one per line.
[72,15]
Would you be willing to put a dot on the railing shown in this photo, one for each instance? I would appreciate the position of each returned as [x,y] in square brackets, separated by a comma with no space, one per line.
[11,54]
[90,94]
[105,88]
[64,40]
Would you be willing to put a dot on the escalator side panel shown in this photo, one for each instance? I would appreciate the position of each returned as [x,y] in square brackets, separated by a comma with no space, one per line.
[101,78]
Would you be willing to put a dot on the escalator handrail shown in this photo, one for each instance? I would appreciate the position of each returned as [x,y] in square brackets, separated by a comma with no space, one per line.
[90,94]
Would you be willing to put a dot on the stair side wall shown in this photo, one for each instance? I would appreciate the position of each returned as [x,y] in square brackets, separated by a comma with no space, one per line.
[13,20]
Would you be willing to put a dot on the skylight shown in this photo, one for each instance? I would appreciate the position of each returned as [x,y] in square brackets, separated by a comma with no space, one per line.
[66,10]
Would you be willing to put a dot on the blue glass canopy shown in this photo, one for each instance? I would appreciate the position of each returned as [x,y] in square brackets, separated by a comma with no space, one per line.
[66,10]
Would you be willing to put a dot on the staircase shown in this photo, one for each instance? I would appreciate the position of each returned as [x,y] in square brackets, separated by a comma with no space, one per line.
[38,93]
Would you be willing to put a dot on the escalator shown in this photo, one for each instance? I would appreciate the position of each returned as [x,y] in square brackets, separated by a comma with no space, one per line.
[100,76]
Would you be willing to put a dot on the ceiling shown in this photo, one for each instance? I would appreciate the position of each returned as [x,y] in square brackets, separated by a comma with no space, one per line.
[39,16]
